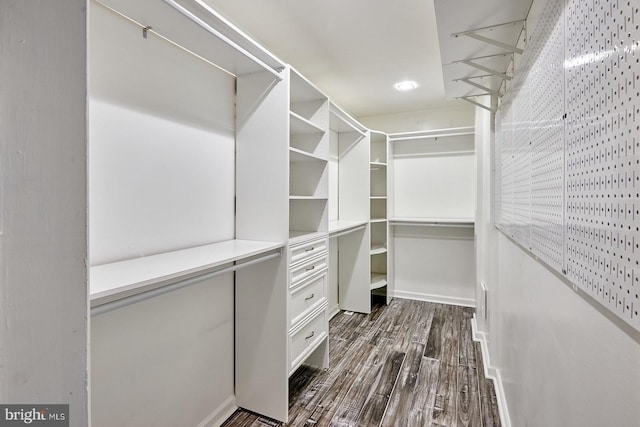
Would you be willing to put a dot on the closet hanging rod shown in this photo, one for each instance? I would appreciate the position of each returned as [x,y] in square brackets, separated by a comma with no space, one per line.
[442,135]
[132,299]
[348,231]
[219,35]
[432,224]
[146,29]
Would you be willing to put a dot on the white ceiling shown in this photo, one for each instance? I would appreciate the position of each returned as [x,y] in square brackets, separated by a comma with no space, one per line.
[455,16]
[353,50]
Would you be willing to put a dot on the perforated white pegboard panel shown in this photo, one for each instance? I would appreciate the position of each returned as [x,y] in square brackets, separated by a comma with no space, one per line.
[545,45]
[521,155]
[602,75]
[498,218]
[506,160]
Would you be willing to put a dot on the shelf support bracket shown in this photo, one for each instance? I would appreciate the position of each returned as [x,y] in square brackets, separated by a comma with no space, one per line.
[468,81]
[476,103]
[474,35]
[491,71]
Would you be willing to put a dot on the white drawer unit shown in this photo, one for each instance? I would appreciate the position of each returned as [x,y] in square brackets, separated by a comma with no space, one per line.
[307,336]
[307,296]
[307,269]
[304,251]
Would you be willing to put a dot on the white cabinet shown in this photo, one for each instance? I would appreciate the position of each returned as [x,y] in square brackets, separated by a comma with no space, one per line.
[308,223]
[307,307]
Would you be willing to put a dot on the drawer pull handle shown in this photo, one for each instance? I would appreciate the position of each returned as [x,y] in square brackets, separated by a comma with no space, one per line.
[309,249]
[310,335]
[311,268]
[310,297]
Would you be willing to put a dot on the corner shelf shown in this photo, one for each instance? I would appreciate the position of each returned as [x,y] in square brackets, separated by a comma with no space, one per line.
[378,281]
[378,249]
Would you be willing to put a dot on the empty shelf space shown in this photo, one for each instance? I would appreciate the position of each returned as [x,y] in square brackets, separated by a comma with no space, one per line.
[378,281]
[300,125]
[117,280]
[297,155]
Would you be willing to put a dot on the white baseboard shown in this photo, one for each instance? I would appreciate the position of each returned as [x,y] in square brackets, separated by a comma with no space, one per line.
[220,414]
[492,373]
[441,299]
[333,311]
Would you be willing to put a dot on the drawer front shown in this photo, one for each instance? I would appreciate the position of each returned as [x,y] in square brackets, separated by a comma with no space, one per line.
[307,339]
[306,297]
[307,269]
[307,250]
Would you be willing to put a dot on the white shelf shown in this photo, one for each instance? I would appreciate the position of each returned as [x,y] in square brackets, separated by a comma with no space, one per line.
[300,236]
[377,220]
[297,155]
[378,249]
[300,125]
[341,225]
[434,221]
[378,197]
[378,281]
[118,280]
[378,164]
[308,198]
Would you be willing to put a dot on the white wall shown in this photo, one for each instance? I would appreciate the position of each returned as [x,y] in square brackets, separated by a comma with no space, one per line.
[166,361]
[161,146]
[562,360]
[43,220]
[453,114]
[161,170]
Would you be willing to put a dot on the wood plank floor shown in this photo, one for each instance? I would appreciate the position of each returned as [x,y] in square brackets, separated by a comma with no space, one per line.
[407,364]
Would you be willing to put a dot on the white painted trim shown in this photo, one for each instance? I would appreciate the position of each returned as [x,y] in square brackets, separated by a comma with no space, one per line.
[441,299]
[492,373]
[333,311]
[220,414]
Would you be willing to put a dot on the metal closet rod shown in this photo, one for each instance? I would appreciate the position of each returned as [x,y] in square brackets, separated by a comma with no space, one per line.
[219,35]
[431,224]
[442,135]
[132,299]
[149,29]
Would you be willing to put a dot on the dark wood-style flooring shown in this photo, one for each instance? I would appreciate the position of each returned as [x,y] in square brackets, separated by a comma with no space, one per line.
[410,363]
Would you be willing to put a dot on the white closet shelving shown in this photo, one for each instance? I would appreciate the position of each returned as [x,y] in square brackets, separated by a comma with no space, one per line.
[380,279]
[348,213]
[165,118]
[308,159]
[433,222]
[308,322]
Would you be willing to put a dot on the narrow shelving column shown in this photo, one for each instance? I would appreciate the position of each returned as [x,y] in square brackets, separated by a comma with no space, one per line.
[308,159]
[308,322]
[379,224]
[349,213]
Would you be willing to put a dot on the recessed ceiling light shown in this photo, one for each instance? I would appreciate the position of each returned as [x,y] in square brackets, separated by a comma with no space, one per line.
[406,85]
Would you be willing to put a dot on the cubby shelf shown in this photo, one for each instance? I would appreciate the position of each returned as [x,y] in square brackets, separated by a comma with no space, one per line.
[378,281]
[300,125]
[297,155]
[378,249]
[377,164]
